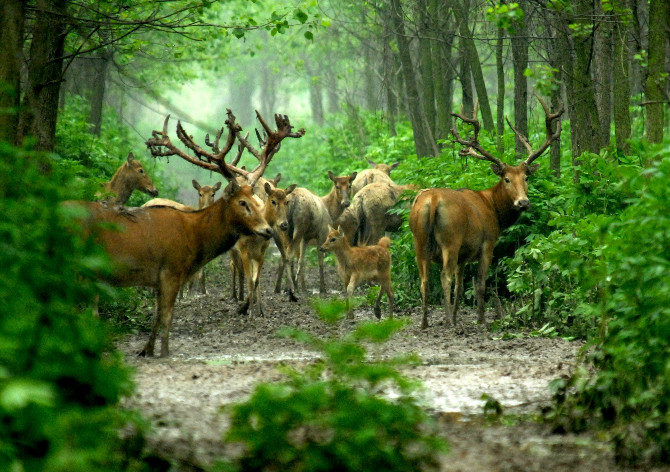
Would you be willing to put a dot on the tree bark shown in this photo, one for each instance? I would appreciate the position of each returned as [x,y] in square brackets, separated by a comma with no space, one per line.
[315,93]
[423,139]
[426,65]
[39,107]
[470,50]
[602,73]
[655,86]
[99,68]
[12,15]
[445,71]
[520,61]
[620,70]
[500,100]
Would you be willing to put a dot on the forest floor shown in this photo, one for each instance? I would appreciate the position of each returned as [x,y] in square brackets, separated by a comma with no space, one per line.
[217,356]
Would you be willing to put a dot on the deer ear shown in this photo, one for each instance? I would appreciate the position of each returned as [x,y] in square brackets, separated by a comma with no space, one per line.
[371,162]
[497,170]
[130,158]
[217,186]
[196,185]
[277,178]
[267,187]
[530,170]
[339,230]
[395,164]
[353,176]
[231,188]
[330,228]
[290,188]
[331,176]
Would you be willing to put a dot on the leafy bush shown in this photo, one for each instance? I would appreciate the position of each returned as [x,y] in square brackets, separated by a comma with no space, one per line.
[629,390]
[343,412]
[59,380]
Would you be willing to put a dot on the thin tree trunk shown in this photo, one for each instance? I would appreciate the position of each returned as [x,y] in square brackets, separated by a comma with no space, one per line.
[655,86]
[475,64]
[500,100]
[423,140]
[602,73]
[520,61]
[12,14]
[100,65]
[622,121]
[444,69]
[39,110]
[315,93]
[426,65]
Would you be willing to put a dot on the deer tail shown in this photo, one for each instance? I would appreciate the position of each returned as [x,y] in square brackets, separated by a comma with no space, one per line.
[385,242]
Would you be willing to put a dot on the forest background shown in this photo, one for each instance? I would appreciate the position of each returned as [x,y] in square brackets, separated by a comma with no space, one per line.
[84,83]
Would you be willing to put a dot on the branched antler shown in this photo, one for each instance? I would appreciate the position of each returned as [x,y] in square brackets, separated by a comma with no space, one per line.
[472,145]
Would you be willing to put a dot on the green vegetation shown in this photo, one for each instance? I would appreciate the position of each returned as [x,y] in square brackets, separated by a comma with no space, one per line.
[60,381]
[344,412]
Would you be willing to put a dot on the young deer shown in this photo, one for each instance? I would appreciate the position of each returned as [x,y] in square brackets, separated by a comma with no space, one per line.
[359,264]
[130,176]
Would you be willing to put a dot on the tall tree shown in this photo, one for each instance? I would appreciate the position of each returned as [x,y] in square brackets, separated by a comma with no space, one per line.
[621,38]
[602,71]
[520,60]
[657,80]
[12,13]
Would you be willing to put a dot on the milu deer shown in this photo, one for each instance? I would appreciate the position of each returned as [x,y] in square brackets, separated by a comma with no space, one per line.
[206,196]
[162,248]
[309,216]
[454,227]
[248,254]
[130,176]
[369,217]
[361,264]
[377,173]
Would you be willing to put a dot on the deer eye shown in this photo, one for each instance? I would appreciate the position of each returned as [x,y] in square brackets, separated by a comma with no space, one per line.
[243,203]
[507,180]
[141,171]
[274,202]
[332,240]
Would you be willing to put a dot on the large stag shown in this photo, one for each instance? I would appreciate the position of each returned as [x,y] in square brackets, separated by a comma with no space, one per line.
[128,177]
[454,227]
[162,247]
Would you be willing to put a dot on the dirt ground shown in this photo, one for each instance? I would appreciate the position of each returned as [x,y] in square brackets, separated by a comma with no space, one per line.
[217,356]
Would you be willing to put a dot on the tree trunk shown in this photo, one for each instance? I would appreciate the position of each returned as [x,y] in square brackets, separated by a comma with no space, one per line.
[99,68]
[12,14]
[315,93]
[426,65]
[520,61]
[602,73]
[655,86]
[423,139]
[444,69]
[470,50]
[622,122]
[500,100]
[555,62]
[39,108]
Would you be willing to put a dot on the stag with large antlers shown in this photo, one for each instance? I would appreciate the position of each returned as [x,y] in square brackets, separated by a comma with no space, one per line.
[162,247]
[454,227]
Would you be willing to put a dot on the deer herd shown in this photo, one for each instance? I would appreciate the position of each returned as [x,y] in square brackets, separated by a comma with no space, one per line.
[165,244]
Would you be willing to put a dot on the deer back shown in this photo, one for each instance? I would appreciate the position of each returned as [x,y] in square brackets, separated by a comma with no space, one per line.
[307,216]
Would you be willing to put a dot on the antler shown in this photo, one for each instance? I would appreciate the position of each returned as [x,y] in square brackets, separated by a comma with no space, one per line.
[212,161]
[269,146]
[472,145]
[551,136]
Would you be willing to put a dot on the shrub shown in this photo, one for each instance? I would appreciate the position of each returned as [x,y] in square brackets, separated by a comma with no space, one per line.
[343,412]
[60,382]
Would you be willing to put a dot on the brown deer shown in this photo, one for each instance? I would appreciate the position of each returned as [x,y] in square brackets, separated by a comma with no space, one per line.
[248,254]
[162,248]
[378,173]
[454,227]
[368,217]
[130,176]
[206,196]
[308,224]
[360,264]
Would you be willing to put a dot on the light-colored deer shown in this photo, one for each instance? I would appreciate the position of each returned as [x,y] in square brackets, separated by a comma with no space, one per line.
[361,264]
[308,217]
[162,248]
[248,254]
[378,173]
[128,177]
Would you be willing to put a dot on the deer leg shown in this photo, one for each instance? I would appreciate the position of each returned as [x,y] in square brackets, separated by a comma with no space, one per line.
[480,283]
[351,286]
[166,294]
[377,308]
[458,289]
[423,264]
[322,276]
[446,276]
[247,264]
[257,288]
[386,287]
[233,279]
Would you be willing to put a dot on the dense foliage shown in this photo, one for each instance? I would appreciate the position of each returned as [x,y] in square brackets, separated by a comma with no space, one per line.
[60,381]
[344,412]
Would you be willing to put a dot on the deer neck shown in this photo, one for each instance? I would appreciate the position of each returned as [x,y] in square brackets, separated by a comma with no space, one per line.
[215,229]
[120,187]
[502,206]
[332,202]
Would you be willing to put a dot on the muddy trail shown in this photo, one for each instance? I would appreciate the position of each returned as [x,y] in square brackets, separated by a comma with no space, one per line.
[217,356]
